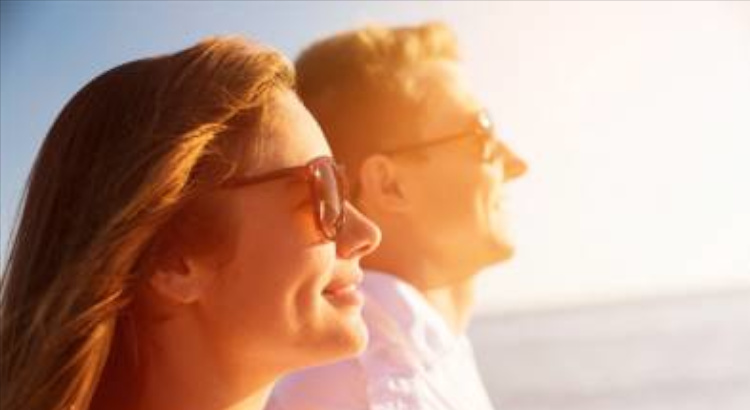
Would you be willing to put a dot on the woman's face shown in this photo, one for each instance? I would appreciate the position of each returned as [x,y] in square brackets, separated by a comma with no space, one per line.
[276,291]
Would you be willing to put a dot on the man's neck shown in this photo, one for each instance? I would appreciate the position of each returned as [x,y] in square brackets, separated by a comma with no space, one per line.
[454,302]
[447,285]
[453,299]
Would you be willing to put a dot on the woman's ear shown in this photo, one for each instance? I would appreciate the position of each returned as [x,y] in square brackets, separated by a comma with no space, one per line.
[179,284]
[185,254]
[174,275]
[380,185]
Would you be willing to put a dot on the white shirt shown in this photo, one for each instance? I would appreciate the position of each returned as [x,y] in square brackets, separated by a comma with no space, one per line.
[412,362]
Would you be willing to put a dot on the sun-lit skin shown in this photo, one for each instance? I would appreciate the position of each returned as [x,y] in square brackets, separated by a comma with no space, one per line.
[444,222]
[275,298]
[460,197]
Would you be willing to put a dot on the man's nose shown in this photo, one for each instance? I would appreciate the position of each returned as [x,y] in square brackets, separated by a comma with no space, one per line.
[513,165]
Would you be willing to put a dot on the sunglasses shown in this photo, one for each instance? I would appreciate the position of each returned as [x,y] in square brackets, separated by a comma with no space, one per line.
[328,191]
[481,130]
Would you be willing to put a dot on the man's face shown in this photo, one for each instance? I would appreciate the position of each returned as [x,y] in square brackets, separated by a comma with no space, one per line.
[458,191]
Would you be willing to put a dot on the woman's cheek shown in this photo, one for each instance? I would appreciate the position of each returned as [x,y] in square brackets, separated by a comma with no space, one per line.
[318,269]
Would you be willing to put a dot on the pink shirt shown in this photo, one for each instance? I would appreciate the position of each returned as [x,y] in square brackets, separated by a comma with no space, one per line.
[412,362]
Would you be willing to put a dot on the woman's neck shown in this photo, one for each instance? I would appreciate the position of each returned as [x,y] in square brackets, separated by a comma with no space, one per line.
[197,372]
[206,398]
[202,393]
[176,369]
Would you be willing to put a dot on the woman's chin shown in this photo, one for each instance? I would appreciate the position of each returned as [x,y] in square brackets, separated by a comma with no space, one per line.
[353,336]
[346,338]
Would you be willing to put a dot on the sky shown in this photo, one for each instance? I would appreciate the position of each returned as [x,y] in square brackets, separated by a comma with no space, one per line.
[633,116]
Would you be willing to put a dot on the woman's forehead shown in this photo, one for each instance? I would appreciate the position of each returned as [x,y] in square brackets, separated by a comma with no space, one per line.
[290,135]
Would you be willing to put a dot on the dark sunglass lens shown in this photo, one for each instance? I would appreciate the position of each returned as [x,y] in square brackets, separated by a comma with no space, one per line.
[330,201]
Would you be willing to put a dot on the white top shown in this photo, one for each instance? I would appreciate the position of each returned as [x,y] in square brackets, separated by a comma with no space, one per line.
[412,362]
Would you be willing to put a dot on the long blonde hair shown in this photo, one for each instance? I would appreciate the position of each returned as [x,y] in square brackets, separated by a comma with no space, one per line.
[124,155]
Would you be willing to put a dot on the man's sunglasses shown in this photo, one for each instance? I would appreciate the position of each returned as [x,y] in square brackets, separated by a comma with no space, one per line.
[481,129]
[327,191]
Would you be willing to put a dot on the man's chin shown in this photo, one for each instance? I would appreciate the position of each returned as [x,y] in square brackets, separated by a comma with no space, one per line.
[500,252]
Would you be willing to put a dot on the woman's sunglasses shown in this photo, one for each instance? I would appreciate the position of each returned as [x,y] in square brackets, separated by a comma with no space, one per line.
[327,191]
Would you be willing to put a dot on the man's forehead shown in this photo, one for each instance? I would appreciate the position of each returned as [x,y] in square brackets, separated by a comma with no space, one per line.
[446,102]
[438,76]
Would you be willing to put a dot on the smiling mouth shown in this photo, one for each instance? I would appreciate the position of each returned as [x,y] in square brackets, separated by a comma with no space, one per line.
[340,290]
[344,291]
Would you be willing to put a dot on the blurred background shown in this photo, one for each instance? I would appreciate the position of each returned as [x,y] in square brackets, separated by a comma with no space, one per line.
[631,284]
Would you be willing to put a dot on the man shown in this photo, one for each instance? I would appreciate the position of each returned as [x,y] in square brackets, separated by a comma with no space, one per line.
[424,164]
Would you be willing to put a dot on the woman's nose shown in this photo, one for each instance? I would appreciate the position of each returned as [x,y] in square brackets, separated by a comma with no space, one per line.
[359,236]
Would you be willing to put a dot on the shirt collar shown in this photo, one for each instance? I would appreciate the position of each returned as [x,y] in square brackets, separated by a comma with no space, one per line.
[400,317]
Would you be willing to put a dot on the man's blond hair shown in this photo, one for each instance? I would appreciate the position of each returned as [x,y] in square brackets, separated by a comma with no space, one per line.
[352,84]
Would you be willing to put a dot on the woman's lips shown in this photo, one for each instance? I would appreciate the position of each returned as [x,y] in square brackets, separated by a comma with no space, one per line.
[344,290]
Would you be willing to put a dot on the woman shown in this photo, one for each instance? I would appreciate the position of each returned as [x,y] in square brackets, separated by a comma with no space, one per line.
[184,242]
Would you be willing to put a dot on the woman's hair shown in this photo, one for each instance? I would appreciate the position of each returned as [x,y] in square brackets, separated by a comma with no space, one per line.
[123,157]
